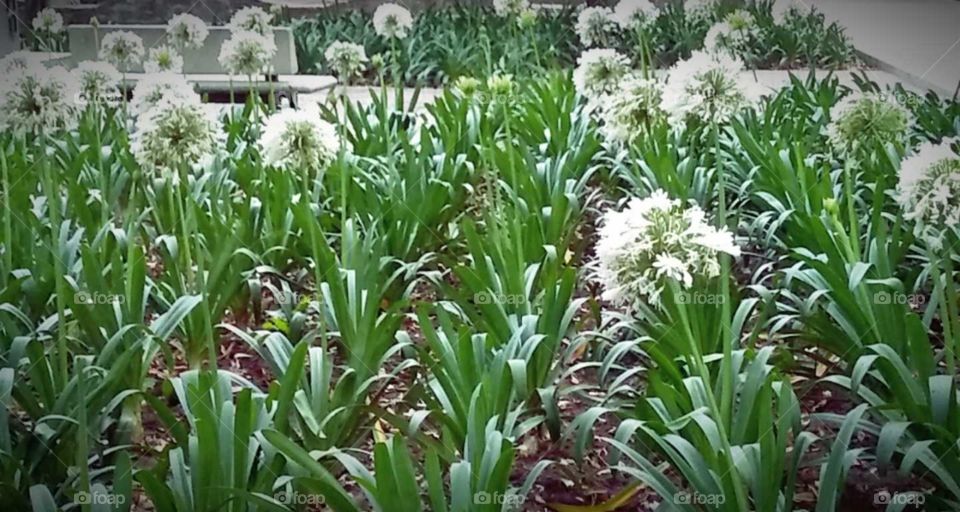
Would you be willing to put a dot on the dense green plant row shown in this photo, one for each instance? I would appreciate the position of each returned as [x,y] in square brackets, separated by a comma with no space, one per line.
[446,43]
[422,304]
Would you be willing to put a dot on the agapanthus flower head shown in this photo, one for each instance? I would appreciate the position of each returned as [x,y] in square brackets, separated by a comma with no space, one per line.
[19,59]
[510,7]
[392,20]
[38,100]
[741,19]
[48,21]
[599,72]
[252,19]
[299,139]
[632,110]
[123,49]
[247,52]
[163,58]
[347,59]
[779,10]
[500,85]
[633,14]
[151,88]
[708,88]
[467,85]
[98,82]
[187,31]
[929,189]
[734,33]
[655,241]
[174,134]
[699,7]
[595,25]
[713,42]
[527,19]
[864,121]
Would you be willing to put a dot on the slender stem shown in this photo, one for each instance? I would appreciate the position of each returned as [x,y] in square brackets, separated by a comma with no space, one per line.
[104,175]
[96,37]
[254,97]
[726,370]
[184,212]
[182,49]
[948,308]
[182,219]
[53,202]
[396,61]
[7,223]
[514,183]
[272,98]
[344,181]
[726,364]
[123,95]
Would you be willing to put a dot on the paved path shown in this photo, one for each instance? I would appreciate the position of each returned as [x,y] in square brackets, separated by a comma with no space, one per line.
[920,38]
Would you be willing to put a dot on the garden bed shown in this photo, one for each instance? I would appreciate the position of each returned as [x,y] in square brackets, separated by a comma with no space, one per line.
[447,43]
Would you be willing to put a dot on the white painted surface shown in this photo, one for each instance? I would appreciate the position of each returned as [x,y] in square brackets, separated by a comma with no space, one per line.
[919,37]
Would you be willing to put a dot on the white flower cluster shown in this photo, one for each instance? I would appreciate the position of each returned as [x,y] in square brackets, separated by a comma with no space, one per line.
[152,88]
[467,86]
[247,52]
[595,25]
[779,10]
[511,7]
[699,8]
[628,113]
[527,19]
[708,88]
[123,49]
[654,241]
[38,100]
[866,120]
[98,82]
[734,33]
[599,72]
[346,58]
[187,31]
[163,58]
[634,14]
[48,21]
[18,60]
[252,19]
[299,139]
[500,86]
[391,20]
[174,133]
[929,189]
